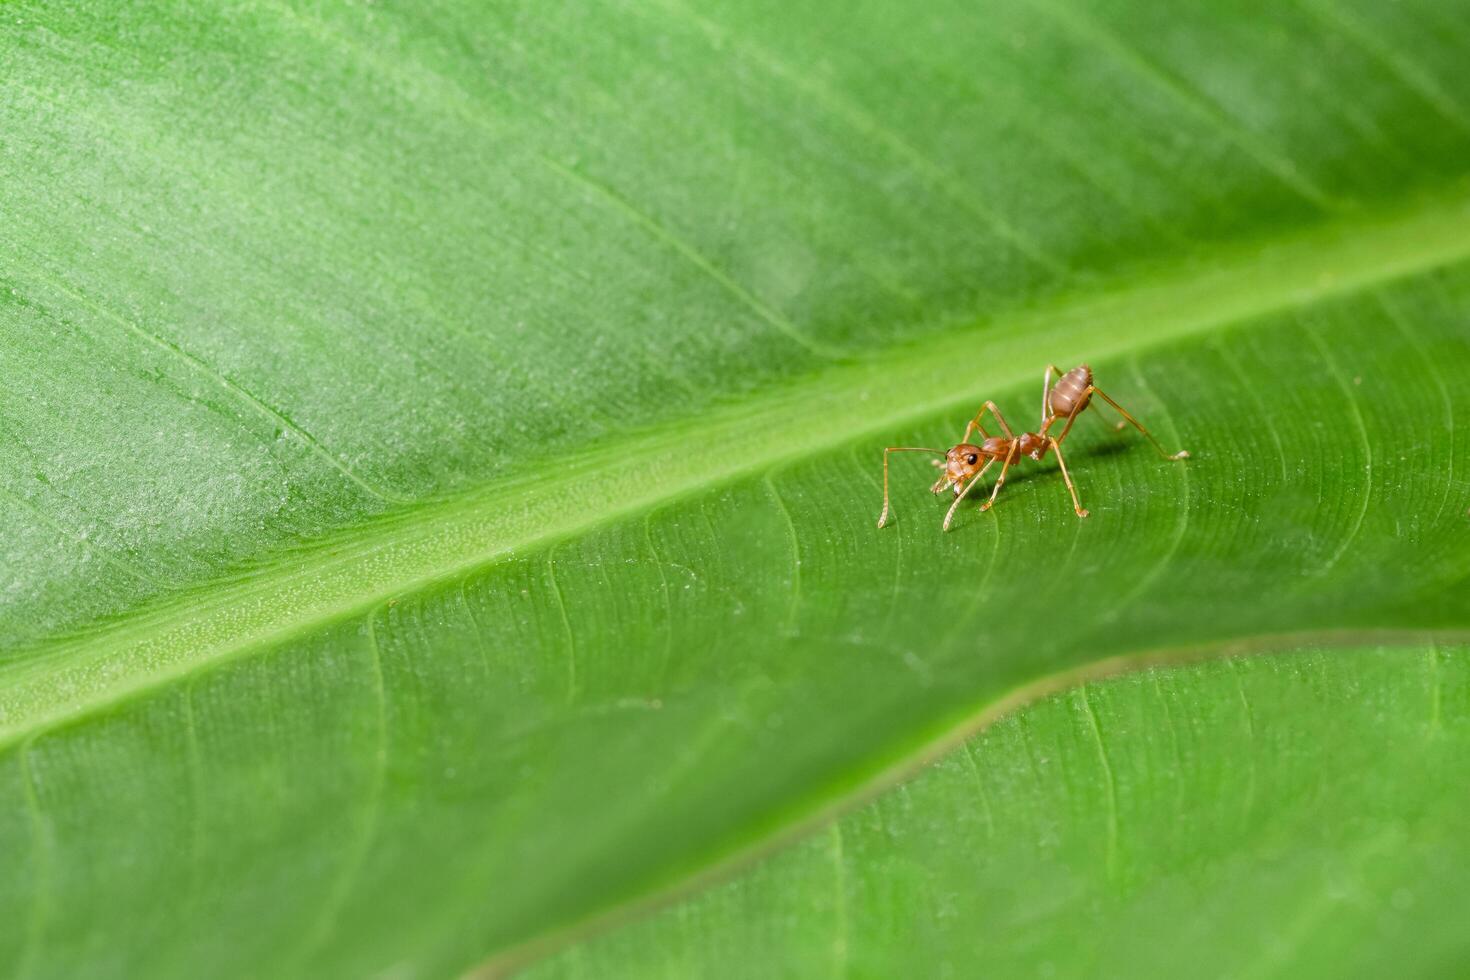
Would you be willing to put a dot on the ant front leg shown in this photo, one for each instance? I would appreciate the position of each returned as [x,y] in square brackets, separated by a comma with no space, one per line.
[1000,481]
[1094,389]
[961,495]
[883,517]
[990,407]
[1046,417]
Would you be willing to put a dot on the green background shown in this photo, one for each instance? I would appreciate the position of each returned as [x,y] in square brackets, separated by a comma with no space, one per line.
[439,459]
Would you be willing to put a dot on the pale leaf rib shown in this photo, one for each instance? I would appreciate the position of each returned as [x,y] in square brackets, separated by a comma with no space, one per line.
[566,624]
[41,850]
[1039,128]
[1434,371]
[1361,429]
[216,377]
[1250,731]
[1177,750]
[1144,68]
[982,792]
[1403,69]
[695,258]
[794,602]
[196,796]
[1263,415]
[77,538]
[1181,503]
[1110,782]
[481,646]
[1436,692]
[358,850]
[874,129]
[663,580]
[839,900]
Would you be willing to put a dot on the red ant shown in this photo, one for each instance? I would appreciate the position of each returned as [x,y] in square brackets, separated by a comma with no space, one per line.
[962,467]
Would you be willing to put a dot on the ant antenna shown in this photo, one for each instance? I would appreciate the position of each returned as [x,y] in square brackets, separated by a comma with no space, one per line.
[883,517]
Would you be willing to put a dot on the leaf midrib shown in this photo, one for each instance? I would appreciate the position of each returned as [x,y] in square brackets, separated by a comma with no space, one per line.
[356,569]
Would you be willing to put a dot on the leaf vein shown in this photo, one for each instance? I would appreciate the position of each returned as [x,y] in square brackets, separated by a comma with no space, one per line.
[41,881]
[874,129]
[1404,70]
[1362,431]
[219,378]
[695,258]
[352,866]
[1110,782]
[1132,57]
[1444,393]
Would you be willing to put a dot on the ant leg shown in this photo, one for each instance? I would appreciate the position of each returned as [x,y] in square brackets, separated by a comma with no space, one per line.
[1076,504]
[1000,481]
[975,422]
[1181,454]
[1047,418]
[974,482]
[1072,415]
[883,517]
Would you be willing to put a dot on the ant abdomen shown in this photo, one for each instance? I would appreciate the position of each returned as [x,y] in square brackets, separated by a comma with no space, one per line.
[1070,394]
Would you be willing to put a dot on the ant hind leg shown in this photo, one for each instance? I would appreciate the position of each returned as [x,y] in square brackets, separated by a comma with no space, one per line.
[1046,417]
[1129,419]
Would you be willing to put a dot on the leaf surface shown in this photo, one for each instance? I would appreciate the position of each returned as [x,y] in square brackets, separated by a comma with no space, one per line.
[1300,814]
[439,446]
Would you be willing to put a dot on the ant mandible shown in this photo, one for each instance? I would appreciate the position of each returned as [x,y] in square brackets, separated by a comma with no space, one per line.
[962,466]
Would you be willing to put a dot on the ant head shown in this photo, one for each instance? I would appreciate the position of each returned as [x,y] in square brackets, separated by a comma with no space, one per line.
[962,462]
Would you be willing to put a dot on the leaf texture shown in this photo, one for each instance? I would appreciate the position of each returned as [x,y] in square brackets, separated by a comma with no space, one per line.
[439,447]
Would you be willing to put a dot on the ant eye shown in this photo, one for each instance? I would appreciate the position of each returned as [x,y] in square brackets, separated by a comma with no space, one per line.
[971,459]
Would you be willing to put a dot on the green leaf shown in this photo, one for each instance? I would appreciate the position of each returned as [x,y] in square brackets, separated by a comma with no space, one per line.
[440,445]
[1295,815]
